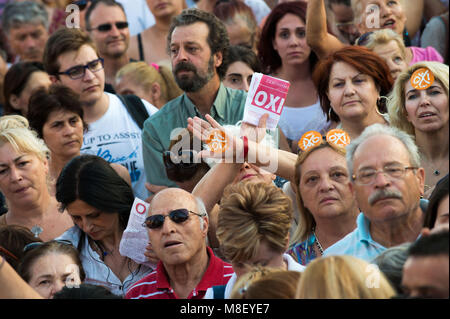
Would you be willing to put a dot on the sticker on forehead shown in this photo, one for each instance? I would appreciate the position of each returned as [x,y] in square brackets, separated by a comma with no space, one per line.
[217,141]
[309,140]
[338,137]
[422,79]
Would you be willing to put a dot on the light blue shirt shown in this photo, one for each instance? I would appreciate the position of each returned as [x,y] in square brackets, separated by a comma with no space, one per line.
[358,243]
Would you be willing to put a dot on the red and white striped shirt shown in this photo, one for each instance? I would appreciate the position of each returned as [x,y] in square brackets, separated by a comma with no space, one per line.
[156,285]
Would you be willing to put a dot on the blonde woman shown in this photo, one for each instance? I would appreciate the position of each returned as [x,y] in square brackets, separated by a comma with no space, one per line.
[153,83]
[424,114]
[343,277]
[24,181]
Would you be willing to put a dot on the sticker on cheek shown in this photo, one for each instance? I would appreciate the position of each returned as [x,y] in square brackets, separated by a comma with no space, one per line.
[422,79]
[217,141]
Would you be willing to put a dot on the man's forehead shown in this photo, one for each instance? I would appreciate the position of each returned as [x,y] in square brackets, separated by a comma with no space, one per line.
[169,200]
[26,27]
[195,32]
[99,14]
[84,54]
[381,147]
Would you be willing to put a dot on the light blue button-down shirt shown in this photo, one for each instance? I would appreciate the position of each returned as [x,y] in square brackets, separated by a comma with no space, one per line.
[358,243]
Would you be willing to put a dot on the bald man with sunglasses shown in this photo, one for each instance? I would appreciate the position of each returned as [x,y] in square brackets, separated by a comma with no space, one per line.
[177,225]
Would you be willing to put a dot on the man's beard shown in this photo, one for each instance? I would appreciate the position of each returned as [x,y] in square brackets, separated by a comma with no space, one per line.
[195,82]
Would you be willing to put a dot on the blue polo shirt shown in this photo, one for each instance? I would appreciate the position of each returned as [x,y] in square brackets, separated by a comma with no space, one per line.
[358,243]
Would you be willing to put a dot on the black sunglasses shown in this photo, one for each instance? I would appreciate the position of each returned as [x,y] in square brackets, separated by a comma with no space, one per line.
[177,216]
[36,244]
[108,26]
[363,39]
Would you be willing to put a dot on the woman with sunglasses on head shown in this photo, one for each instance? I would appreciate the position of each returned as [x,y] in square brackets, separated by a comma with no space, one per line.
[353,83]
[57,117]
[370,16]
[24,172]
[423,112]
[48,267]
[99,202]
[319,175]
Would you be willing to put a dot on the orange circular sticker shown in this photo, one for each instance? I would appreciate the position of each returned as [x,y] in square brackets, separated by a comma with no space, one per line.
[310,139]
[422,79]
[338,137]
[217,141]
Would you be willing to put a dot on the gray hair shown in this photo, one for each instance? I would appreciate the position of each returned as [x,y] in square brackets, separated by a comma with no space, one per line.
[201,210]
[16,14]
[380,129]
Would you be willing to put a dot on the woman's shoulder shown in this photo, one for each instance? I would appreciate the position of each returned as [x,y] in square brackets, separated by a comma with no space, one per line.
[73,235]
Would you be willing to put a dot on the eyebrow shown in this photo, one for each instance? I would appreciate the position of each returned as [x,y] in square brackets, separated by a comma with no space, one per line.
[431,87]
[17,159]
[360,73]
[235,74]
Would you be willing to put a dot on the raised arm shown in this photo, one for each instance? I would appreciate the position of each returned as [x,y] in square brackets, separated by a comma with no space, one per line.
[12,286]
[317,36]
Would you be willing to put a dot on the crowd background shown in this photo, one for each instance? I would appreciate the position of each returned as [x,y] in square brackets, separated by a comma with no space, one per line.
[117,99]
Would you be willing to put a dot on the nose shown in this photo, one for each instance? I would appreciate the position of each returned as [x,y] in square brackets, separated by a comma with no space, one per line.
[393,67]
[57,286]
[114,30]
[245,86]
[168,226]
[15,174]
[424,99]
[88,75]
[382,180]
[29,43]
[181,55]
[325,184]
[349,89]
[385,11]
[85,225]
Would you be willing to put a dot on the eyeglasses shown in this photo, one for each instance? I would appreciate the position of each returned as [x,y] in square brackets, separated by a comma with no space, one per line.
[180,167]
[78,71]
[363,39]
[108,26]
[312,139]
[368,176]
[36,244]
[177,216]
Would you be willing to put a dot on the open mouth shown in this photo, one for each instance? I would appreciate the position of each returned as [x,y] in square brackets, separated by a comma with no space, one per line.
[171,243]
[247,176]
[426,115]
[389,23]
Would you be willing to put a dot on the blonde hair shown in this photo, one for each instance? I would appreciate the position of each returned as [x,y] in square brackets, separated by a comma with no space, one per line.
[343,277]
[273,284]
[249,214]
[14,129]
[396,100]
[146,75]
[384,36]
[306,219]
[243,282]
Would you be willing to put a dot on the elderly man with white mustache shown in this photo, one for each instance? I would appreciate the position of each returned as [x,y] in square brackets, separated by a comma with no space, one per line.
[390,201]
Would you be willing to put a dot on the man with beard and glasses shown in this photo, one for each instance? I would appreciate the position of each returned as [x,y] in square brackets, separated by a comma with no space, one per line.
[388,182]
[107,25]
[198,44]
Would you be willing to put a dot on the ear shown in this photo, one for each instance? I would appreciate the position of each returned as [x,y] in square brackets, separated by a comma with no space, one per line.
[205,226]
[54,79]
[14,101]
[218,59]
[155,91]
[420,175]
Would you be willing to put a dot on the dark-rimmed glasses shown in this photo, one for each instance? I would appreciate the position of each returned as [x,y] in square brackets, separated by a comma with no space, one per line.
[177,216]
[36,244]
[368,176]
[108,26]
[78,71]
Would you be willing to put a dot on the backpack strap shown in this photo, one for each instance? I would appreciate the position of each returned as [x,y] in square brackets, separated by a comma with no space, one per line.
[141,49]
[219,291]
[135,108]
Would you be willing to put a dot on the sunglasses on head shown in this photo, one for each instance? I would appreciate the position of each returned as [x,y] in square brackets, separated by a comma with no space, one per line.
[36,244]
[177,216]
[108,26]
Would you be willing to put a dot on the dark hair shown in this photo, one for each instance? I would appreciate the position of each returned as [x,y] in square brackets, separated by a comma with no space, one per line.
[362,59]
[13,238]
[91,179]
[30,257]
[218,39]
[95,3]
[61,41]
[432,245]
[15,81]
[245,55]
[270,59]
[56,98]
[228,10]
[344,2]
[440,191]
[85,291]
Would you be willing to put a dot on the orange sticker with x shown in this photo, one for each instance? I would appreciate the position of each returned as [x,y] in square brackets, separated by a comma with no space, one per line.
[422,79]
[217,141]
[310,139]
[338,137]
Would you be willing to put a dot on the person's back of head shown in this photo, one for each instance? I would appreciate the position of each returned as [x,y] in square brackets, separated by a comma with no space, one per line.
[246,55]
[13,238]
[85,291]
[252,213]
[343,277]
[440,192]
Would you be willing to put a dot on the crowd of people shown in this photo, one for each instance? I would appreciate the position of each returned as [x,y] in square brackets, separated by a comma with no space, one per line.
[346,198]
